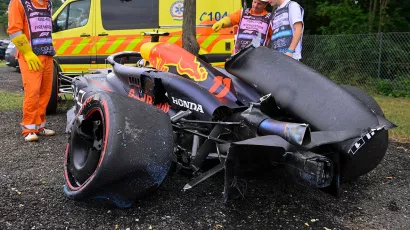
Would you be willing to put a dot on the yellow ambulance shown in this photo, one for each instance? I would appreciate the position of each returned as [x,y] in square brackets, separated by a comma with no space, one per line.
[86,32]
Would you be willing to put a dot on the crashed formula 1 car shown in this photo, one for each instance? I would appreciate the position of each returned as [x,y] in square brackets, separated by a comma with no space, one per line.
[132,124]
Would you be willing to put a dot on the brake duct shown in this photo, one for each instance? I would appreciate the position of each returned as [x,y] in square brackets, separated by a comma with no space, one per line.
[259,124]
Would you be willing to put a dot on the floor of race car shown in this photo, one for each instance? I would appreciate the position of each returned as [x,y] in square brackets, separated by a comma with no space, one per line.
[31,193]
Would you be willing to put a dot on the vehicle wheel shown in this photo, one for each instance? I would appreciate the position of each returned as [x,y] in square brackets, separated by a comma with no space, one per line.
[119,150]
[53,102]
[372,153]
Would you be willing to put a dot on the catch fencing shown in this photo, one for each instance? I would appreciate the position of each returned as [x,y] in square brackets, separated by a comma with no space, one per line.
[378,63]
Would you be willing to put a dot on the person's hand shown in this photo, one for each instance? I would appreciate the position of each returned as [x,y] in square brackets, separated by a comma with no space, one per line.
[33,61]
[217,26]
[224,22]
[22,44]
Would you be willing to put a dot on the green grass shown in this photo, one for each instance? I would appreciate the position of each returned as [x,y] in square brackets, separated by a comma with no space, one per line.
[10,101]
[397,110]
[14,101]
[2,64]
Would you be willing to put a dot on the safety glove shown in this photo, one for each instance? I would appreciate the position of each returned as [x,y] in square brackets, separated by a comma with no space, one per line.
[224,22]
[22,44]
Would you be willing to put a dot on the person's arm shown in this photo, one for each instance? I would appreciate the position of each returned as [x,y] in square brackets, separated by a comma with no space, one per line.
[15,19]
[296,19]
[229,21]
[297,34]
[235,18]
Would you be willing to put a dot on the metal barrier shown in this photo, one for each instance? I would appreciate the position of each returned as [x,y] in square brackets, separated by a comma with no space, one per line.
[379,63]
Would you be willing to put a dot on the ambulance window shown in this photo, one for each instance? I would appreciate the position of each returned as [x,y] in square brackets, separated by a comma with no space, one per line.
[74,15]
[60,23]
[129,14]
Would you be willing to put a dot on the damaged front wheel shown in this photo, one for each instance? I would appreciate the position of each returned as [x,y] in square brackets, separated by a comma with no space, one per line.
[113,153]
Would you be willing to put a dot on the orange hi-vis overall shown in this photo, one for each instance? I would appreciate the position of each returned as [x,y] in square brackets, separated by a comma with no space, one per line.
[34,21]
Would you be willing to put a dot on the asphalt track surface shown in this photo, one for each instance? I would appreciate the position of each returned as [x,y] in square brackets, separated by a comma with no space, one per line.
[31,193]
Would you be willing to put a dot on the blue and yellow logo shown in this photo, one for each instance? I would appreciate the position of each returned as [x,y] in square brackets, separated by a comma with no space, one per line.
[177,10]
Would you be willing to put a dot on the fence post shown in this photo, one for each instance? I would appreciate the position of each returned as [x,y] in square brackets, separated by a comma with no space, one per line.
[380,54]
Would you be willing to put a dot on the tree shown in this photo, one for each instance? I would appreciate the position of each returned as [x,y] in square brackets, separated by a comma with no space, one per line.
[3,13]
[352,16]
[189,41]
[342,18]
[372,13]
[382,13]
[56,5]
[3,17]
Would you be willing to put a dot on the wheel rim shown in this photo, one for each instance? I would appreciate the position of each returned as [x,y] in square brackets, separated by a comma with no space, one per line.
[85,151]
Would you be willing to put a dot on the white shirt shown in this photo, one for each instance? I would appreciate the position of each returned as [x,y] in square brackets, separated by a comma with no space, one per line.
[295,15]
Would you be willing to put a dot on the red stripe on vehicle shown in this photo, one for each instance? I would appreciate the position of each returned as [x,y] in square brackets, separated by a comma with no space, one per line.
[101,85]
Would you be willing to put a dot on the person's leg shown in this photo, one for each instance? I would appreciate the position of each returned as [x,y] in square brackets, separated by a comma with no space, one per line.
[31,83]
[45,93]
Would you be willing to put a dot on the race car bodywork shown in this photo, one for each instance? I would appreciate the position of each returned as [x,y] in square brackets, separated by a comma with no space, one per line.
[131,124]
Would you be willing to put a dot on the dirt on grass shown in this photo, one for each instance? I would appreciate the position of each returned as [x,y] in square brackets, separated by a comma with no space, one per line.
[31,193]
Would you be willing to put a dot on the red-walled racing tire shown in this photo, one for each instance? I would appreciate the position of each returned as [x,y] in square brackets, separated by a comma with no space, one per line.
[120,149]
